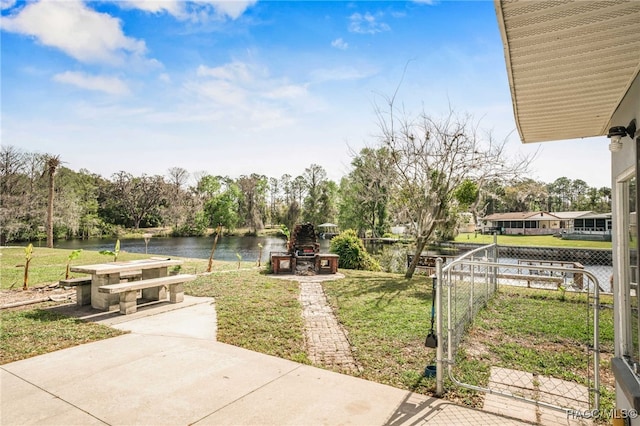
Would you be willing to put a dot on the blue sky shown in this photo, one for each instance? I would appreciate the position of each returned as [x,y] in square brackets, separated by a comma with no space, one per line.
[238,87]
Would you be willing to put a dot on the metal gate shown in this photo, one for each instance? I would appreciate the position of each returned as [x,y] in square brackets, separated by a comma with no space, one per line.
[484,291]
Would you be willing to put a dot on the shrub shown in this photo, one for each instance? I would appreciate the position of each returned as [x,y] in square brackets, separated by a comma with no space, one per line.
[353,254]
[189,230]
[393,259]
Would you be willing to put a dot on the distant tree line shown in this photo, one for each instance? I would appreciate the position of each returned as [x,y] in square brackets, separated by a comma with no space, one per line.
[385,187]
[89,205]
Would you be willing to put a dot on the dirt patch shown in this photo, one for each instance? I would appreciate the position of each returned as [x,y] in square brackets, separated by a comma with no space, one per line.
[18,297]
[606,374]
[475,345]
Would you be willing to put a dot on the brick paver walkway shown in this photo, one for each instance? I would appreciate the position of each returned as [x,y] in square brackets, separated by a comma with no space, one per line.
[326,340]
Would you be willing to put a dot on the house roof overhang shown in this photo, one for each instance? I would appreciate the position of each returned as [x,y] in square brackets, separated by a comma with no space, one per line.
[569,63]
[516,216]
[573,215]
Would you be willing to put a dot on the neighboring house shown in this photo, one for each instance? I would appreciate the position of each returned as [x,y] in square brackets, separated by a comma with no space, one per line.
[547,223]
[593,223]
[573,70]
[588,226]
[521,223]
[568,219]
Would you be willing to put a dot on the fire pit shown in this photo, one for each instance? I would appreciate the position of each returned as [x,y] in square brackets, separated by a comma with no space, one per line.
[303,242]
[303,256]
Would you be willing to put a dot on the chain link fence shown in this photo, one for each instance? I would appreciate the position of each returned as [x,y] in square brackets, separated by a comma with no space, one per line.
[522,322]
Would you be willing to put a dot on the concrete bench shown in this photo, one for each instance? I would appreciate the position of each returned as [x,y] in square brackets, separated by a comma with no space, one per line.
[83,289]
[83,285]
[131,275]
[128,291]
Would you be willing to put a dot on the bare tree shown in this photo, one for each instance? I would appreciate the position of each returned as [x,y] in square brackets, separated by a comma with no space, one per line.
[526,195]
[177,179]
[285,185]
[253,202]
[299,189]
[137,197]
[432,157]
[274,191]
[34,165]
[315,177]
[12,190]
[12,164]
[365,197]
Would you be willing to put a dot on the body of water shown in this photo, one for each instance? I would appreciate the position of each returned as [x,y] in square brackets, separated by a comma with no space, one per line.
[194,247]
[247,247]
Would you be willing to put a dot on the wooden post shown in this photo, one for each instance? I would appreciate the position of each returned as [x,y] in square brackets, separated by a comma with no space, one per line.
[578,278]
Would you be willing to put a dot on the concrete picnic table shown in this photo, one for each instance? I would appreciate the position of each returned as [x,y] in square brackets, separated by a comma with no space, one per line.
[109,273]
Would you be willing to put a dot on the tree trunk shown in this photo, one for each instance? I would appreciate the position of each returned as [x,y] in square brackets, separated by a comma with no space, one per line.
[420,243]
[25,282]
[50,209]
[213,250]
[51,165]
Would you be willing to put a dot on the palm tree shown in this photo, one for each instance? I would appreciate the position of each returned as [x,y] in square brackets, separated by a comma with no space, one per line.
[52,162]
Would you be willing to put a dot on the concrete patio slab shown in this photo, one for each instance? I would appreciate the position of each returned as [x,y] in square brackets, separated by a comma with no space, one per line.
[198,322]
[505,381]
[145,379]
[170,371]
[49,409]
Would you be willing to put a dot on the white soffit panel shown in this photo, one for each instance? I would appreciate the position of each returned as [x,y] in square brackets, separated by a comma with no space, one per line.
[570,63]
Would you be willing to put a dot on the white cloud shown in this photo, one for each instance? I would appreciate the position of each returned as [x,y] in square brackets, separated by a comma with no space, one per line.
[341,74]
[231,8]
[366,24]
[289,91]
[340,44]
[173,7]
[7,4]
[237,71]
[195,10]
[245,94]
[240,83]
[80,32]
[221,93]
[110,85]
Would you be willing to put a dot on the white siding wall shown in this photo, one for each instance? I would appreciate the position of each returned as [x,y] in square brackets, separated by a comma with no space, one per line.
[622,163]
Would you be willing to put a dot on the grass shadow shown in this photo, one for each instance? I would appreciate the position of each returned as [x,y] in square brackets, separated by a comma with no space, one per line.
[388,290]
[47,315]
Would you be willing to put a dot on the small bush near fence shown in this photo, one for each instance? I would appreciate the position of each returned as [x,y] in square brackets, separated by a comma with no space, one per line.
[353,254]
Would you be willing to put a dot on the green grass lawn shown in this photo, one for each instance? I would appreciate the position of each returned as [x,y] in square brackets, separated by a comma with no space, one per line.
[386,318]
[256,312]
[30,332]
[34,330]
[542,331]
[539,331]
[48,266]
[530,240]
